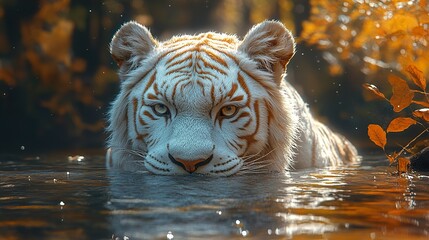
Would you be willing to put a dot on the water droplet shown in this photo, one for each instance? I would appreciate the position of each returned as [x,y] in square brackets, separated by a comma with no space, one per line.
[76,158]
[23,148]
[219,212]
[62,203]
[269,231]
[170,235]
[237,222]
[244,233]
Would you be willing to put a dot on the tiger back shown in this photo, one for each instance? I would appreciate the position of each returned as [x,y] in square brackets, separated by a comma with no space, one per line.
[212,104]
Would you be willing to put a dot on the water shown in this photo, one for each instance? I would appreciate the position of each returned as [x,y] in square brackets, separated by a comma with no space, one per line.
[54,197]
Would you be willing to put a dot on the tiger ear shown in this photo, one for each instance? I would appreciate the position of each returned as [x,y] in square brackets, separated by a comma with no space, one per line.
[270,44]
[131,43]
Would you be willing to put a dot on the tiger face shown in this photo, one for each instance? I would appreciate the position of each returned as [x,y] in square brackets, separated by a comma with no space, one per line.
[206,104]
[196,123]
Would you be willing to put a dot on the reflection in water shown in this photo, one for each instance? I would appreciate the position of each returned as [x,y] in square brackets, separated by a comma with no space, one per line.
[54,198]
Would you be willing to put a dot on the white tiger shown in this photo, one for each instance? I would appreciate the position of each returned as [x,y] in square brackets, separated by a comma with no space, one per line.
[211,104]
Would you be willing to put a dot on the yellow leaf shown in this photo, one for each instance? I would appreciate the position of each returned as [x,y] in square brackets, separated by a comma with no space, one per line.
[400,124]
[401,22]
[417,76]
[377,135]
[402,95]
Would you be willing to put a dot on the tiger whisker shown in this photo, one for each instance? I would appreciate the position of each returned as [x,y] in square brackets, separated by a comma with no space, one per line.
[256,163]
[252,155]
[131,151]
[259,157]
[256,160]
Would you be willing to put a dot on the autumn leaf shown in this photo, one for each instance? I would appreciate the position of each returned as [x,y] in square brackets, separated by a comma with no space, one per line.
[392,157]
[403,164]
[377,135]
[400,124]
[373,89]
[422,113]
[421,103]
[417,76]
[419,31]
[423,3]
[402,95]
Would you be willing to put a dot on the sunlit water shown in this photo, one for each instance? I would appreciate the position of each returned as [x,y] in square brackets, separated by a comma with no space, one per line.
[56,197]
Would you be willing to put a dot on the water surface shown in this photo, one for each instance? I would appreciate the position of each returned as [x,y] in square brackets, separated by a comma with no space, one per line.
[55,196]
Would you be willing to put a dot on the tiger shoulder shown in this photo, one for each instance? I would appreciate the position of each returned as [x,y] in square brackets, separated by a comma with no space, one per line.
[213,104]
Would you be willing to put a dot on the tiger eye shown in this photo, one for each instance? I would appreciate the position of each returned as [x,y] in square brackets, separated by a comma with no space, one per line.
[228,111]
[160,109]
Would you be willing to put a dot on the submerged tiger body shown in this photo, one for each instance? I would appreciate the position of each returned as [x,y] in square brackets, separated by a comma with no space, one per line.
[212,104]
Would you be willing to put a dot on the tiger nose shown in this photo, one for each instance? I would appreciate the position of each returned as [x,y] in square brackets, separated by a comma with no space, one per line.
[190,165]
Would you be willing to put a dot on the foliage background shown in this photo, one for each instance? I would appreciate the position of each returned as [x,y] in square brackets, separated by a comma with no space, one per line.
[57,77]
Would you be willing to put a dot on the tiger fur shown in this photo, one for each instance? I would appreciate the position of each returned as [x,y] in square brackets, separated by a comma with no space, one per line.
[212,104]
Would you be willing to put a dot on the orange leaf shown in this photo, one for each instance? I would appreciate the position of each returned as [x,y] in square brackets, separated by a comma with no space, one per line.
[417,76]
[400,124]
[421,103]
[392,157]
[422,113]
[423,3]
[402,95]
[403,164]
[419,32]
[373,89]
[377,135]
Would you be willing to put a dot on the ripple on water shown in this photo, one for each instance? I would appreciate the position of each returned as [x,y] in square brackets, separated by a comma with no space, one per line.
[352,202]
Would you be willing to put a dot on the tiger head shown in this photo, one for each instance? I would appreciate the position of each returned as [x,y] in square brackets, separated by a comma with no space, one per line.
[208,103]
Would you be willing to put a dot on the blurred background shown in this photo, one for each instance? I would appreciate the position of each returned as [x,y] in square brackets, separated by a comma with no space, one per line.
[57,77]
